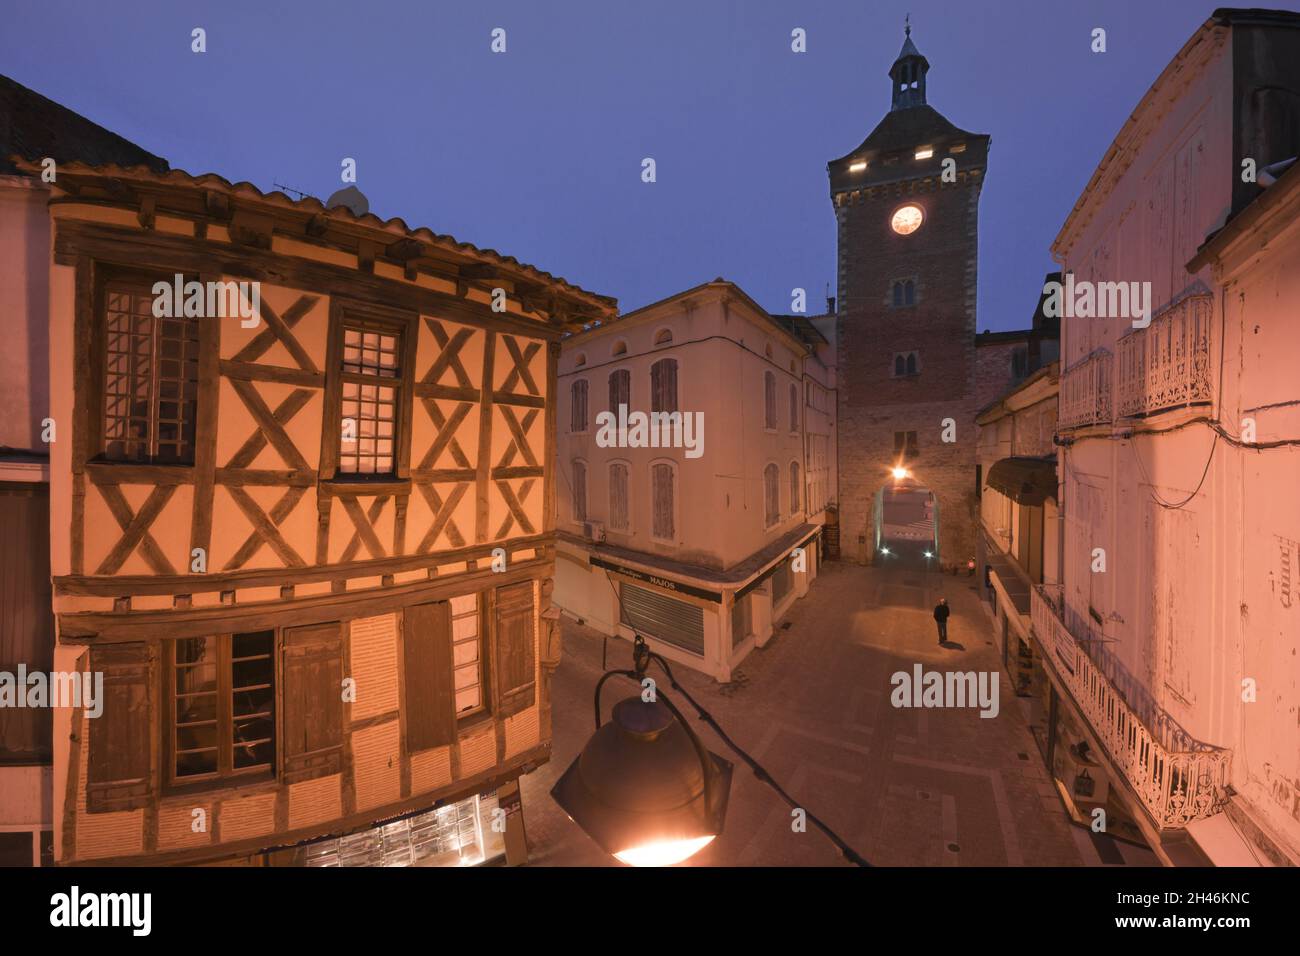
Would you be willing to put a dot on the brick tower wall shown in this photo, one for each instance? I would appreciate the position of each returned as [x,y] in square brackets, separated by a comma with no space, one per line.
[942,258]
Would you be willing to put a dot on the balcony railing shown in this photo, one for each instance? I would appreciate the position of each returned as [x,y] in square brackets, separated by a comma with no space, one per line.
[1167,364]
[1085,391]
[1177,779]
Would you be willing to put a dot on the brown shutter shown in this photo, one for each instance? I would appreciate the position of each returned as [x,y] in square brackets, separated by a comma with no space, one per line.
[514,657]
[26,615]
[662,491]
[430,699]
[313,701]
[663,386]
[118,774]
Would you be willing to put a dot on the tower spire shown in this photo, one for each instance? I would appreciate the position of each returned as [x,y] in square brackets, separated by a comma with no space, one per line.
[908,72]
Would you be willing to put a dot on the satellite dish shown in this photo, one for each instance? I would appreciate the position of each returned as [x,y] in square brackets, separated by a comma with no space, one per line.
[350,197]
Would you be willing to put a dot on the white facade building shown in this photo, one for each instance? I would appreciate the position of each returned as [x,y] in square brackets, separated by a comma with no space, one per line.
[701,543]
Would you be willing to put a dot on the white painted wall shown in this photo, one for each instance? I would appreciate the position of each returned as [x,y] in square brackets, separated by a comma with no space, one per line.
[24,303]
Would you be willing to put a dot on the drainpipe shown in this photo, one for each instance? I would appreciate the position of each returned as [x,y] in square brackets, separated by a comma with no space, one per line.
[1060,455]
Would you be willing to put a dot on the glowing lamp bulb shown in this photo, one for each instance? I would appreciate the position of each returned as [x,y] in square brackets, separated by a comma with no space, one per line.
[899,473]
[884,551]
[929,555]
[664,852]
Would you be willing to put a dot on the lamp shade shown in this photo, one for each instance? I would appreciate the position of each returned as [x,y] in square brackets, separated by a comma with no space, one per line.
[638,787]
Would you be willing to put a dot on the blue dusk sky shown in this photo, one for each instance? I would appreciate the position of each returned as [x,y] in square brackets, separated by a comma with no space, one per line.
[537,152]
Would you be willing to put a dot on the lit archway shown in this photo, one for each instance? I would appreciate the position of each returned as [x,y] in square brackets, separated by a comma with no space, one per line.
[906,519]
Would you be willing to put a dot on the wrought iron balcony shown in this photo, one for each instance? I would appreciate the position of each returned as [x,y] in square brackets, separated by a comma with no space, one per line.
[1177,779]
[1167,364]
[1086,391]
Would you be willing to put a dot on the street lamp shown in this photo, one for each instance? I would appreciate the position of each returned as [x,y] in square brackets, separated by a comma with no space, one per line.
[645,788]
[899,472]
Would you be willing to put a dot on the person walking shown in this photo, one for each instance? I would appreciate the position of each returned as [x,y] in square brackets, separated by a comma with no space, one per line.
[941,619]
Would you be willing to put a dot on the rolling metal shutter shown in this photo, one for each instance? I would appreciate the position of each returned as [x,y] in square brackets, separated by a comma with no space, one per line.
[658,615]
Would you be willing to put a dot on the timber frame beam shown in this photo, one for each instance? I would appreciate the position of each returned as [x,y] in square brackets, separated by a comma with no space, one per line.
[126,246]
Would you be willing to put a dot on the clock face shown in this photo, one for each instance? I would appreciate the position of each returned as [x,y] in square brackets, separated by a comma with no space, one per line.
[907,220]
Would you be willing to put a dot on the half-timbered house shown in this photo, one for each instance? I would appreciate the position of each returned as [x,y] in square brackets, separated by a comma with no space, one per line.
[305,535]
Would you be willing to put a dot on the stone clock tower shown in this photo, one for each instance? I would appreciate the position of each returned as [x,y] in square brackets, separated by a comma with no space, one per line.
[907,211]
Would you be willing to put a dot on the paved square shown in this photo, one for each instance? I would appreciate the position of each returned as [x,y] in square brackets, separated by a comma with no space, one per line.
[905,787]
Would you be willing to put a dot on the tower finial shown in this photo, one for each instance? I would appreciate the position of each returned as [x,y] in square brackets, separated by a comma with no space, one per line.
[907,25]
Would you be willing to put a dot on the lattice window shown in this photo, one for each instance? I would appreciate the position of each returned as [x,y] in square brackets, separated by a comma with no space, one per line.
[151,380]
[372,383]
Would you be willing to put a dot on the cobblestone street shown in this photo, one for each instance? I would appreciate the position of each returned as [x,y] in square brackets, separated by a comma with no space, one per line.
[905,787]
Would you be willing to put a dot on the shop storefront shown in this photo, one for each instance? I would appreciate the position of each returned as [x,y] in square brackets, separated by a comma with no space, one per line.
[708,622]
[468,832]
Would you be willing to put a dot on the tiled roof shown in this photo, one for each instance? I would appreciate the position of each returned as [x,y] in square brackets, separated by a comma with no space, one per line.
[395,226]
[34,127]
[906,129]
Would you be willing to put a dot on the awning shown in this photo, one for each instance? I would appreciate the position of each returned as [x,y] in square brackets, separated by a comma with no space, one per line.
[1221,842]
[1027,481]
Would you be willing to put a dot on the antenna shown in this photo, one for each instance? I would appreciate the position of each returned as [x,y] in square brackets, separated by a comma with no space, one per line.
[290,189]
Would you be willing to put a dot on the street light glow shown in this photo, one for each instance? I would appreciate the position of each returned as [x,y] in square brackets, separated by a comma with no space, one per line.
[644,788]
[899,472]
[664,852]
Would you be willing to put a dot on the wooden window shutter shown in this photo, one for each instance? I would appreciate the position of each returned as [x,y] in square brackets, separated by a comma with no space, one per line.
[313,701]
[514,656]
[663,386]
[430,700]
[662,492]
[118,776]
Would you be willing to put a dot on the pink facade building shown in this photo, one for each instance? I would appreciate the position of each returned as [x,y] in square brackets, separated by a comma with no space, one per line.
[1173,635]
